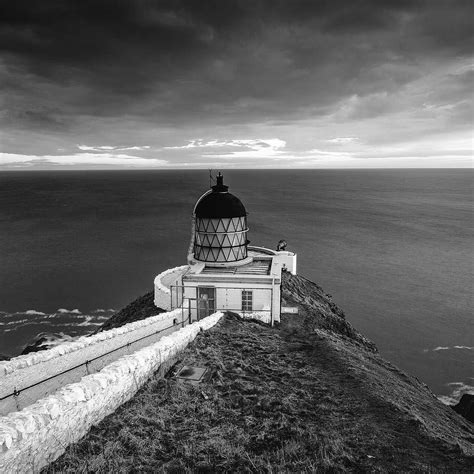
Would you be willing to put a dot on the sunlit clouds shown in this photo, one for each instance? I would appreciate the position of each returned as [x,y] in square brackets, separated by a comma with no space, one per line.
[79,160]
[112,148]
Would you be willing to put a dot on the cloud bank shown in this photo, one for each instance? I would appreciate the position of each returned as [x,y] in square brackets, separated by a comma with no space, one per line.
[365,84]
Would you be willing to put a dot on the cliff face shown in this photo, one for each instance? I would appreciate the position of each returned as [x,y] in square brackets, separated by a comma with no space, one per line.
[312,394]
[465,407]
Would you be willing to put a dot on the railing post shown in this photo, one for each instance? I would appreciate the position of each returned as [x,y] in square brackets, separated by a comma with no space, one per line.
[15,396]
[182,314]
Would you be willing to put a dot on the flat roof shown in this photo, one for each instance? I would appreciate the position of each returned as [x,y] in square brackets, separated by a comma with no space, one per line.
[255,267]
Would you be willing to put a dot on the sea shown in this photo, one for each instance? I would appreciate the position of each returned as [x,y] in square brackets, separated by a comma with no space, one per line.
[393,247]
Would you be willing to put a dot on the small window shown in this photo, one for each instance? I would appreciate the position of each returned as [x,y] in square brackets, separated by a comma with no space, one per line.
[247,300]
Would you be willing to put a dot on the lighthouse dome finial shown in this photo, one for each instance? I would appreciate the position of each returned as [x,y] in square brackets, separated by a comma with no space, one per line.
[220,187]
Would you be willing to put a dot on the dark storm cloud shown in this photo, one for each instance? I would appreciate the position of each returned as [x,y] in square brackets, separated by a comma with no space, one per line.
[240,59]
[128,73]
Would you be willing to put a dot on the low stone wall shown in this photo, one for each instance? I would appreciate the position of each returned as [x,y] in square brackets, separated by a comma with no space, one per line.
[163,281]
[36,368]
[22,361]
[37,435]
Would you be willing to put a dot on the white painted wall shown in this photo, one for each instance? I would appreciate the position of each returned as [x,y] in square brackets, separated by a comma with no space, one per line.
[162,284]
[287,260]
[37,435]
[29,369]
[231,299]
[276,303]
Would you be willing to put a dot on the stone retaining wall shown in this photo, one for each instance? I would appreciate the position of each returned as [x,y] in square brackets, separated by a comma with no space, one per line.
[39,434]
[23,371]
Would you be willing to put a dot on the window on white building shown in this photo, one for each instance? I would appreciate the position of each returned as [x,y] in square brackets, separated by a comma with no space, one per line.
[247,300]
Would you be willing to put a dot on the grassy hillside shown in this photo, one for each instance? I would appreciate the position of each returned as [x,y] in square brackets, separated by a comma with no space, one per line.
[143,307]
[317,310]
[310,395]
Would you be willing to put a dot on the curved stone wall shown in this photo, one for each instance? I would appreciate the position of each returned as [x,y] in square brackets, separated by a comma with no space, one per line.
[162,283]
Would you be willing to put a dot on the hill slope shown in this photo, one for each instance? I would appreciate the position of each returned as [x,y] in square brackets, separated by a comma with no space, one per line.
[143,307]
[313,394]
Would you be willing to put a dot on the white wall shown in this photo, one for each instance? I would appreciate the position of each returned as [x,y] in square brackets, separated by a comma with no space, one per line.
[232,298]
[287,260]
[39,434]
[264,299]
[162,284]
[23,371]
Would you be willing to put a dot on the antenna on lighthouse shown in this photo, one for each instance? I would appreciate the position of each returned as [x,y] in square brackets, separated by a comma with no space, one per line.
[212,179]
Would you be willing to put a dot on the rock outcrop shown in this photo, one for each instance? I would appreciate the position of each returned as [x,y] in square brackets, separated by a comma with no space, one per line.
[46,340]
[465,407]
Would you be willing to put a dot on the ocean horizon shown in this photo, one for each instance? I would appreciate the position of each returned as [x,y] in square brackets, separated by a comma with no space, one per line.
[393,248]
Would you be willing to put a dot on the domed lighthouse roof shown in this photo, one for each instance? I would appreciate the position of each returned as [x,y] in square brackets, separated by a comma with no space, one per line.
[219,202]
[220,227]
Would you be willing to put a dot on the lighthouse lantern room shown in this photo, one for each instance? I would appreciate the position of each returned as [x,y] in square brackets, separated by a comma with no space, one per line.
[220,227]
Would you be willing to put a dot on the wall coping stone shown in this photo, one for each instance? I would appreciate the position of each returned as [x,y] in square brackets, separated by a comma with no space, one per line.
[27,360]
[158,279]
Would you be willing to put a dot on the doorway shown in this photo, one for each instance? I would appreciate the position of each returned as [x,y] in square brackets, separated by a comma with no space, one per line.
[206,301]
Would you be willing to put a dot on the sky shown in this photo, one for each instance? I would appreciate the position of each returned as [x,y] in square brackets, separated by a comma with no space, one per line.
[113,84]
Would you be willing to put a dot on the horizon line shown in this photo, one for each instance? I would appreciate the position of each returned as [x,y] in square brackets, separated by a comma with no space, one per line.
[238,169]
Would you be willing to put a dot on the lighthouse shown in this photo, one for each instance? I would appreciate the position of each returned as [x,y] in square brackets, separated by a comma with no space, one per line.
[225,273]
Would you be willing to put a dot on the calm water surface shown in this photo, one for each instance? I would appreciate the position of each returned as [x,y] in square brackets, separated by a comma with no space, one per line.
[394,248]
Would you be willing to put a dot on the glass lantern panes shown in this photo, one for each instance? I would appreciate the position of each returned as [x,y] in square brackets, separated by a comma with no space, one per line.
[220,240]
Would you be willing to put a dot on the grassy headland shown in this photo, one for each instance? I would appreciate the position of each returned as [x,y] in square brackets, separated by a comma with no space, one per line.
[310,395]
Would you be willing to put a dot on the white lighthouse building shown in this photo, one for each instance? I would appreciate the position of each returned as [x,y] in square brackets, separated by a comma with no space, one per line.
[224,272]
